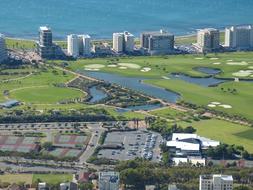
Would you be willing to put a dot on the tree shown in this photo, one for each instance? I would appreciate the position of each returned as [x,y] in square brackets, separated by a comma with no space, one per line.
[47,146]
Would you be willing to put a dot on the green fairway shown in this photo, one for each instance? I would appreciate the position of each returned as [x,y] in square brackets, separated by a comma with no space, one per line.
[47,94]
[225,132]
[52,179]
[241,101]
[160,66]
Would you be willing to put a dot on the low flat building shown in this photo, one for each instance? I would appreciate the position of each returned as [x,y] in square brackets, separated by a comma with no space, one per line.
[216,182]
[190,160]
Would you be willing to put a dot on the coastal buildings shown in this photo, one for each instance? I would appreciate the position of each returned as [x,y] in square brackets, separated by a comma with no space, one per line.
[73,45]
[108,181]
[123,42]
[79,45]
[215,182]
[208,40]
[157,43]
[239,37]
[45,46]
[3,51]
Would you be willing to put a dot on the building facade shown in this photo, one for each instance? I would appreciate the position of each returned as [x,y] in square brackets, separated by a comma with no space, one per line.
[239,37]
[45,47]
[73,45]
[85,45]
[216,182]
[208,40]
[157,43]
[123,42]
[3,51]
[108,181]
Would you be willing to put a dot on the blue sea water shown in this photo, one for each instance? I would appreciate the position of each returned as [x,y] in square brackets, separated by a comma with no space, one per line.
[99,18]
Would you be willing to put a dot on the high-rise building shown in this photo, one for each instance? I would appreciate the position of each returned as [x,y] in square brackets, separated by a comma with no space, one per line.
[118,42]
[73,45]
[157,43]
[45,46]
[79,45]
[239,37]
[128,42]
[123,42]
[108,181]
[208,40]
[216,182]
[85,45]
[3,51]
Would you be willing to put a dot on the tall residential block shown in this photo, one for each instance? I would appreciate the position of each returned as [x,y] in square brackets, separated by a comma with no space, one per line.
[123,42]
[73,45]
[239,37]
[3,51]
[216,182]
[79,45]
[156,43]
[45,46]
[208,40]
[118,42]
[108,181]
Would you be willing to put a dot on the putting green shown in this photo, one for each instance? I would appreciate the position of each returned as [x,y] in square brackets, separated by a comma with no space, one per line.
[45,94]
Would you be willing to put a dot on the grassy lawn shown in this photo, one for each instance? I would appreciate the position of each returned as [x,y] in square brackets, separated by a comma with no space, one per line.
[225,132]
[48,94]
[241,102]
[17,178]
[52,178]
[12,43]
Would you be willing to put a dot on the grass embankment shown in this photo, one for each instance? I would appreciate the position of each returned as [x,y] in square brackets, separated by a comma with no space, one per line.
[51,179]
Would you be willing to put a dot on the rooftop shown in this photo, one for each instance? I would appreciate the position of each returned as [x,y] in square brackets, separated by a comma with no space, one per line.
[45,28]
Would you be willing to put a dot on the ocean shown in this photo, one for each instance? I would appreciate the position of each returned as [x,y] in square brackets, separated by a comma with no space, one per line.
[100,18]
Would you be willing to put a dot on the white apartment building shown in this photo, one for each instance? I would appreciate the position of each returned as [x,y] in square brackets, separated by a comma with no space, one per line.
[3,51]
[216,182]
[160,42]
[108,181]
[208,40]
[79,45]
[129,42]
[118,42]
[73,45]
[239,37]
[123,42]
[84,45]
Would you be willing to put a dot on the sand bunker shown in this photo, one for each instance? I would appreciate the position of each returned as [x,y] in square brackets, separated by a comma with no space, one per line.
[225,106]
[164,77]
[243,73]
[112,66]
[88,69]
[145,69]
[237,63]
[218,63]
[230,60]
[130,65]
[250,67]
[211,105]
[214,58]
[199,58]
[94,66]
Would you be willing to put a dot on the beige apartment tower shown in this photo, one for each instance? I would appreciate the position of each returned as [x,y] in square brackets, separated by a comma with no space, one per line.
[208,40]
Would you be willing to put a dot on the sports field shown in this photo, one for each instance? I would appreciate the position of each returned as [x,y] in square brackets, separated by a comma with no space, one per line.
[225,132]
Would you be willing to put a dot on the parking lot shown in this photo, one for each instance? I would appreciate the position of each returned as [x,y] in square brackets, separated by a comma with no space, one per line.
[141,144]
